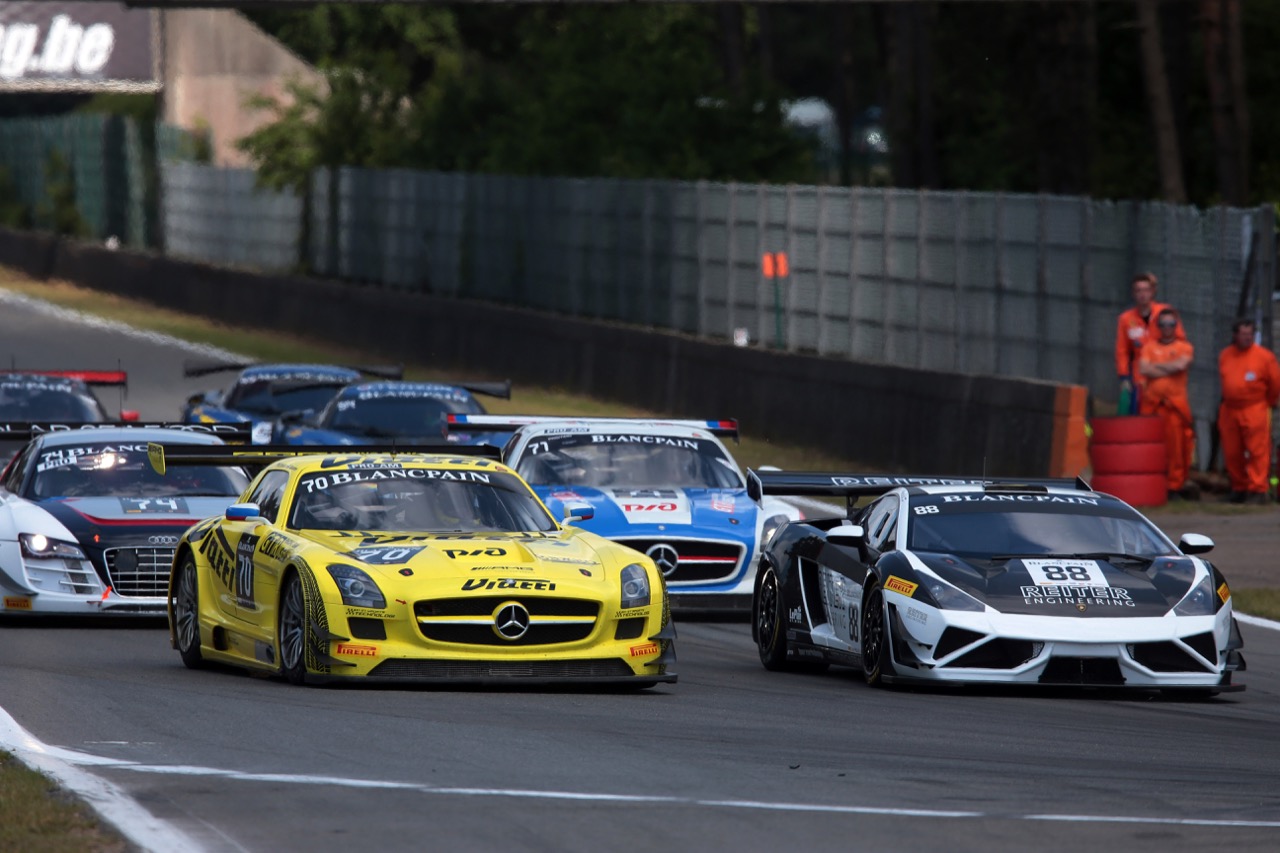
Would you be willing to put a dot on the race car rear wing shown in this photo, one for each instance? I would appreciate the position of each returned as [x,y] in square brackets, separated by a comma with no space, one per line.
[260,455]
[26,430]
[854,486]
[502,423]
[204,367]
[97,378]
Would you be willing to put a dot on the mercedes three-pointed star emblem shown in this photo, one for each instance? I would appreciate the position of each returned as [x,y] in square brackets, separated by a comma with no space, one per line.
[511,621]
[665,556]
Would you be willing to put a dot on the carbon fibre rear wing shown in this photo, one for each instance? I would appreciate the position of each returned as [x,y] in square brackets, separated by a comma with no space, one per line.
[204,367]
[26,430]
[260,455]
[854,486]
[726,427]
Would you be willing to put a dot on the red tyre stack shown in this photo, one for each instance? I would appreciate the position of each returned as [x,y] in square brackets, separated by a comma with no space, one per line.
[1130,460]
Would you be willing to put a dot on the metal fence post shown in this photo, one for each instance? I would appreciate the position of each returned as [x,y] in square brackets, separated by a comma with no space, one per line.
[700,247]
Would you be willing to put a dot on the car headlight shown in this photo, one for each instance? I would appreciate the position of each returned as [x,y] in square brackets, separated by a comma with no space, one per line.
[635,586]
[1198,602]
[41,547]
[947,597]
[357,588]
[771,526]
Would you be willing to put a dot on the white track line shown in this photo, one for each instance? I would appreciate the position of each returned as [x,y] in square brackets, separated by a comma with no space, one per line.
[72,316]
[632,799]
[112,804]
[1257,621]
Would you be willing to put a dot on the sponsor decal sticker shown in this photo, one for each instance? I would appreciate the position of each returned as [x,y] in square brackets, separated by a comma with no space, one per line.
[358,651]
[276,546]
[1224,593]
[795,615]
[455,553]
[502,568]
[722,503]
[630,613]
[897,584]
[1060,572]
[917,616]
[507,583]
[370,614]
[1079,596]
[19,602]
[646,649]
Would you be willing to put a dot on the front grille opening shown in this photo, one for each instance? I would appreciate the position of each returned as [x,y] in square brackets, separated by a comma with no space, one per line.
[1090,671]
[955,638]
[484,635]
[363,628]
[997,654]
[698,561]
[139,571]
[1204,644]
[484,605]
[629,629]
[1167,657]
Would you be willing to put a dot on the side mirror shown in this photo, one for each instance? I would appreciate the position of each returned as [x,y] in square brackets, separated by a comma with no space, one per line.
[296,416]
[1195,543]
[128,415]
[245,512]
[850,535]
[578,512]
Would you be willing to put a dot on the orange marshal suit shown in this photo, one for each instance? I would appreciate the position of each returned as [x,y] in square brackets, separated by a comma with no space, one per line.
[1250,389]
[1166,396]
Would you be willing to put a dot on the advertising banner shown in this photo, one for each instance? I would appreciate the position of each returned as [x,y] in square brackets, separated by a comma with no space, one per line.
[60,46]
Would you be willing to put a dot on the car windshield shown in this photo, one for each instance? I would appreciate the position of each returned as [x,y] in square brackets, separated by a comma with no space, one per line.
[396,416]
[986,526]
[122,470]
[35,399]
[399,498]
[632,461]
[273,398]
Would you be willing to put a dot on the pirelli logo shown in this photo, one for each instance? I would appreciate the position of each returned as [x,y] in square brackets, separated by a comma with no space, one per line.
[17,603]
[358,651]
[646,649]
[897,584]
[1224,593]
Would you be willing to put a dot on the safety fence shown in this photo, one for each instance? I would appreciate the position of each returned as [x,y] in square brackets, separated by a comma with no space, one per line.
[976,283]
[979,283]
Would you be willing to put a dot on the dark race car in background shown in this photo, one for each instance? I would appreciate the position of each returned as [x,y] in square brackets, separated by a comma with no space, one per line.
[87,526]
[55,396]
[954,581]
[382,412]
[263,393]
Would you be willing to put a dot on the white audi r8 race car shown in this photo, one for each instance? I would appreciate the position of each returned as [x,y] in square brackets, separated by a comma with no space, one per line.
[86,525]
[667,488]
[954,581]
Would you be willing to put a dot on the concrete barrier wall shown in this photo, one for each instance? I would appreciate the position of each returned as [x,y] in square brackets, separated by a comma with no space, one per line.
[889,417]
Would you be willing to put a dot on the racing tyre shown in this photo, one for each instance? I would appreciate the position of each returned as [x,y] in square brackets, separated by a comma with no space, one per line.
[186,613]
[295,636]
[876,637]
[771,636]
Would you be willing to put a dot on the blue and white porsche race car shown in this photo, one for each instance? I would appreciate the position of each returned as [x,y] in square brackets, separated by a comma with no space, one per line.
[979,581]
[263,393]
[385,412]
[667,488]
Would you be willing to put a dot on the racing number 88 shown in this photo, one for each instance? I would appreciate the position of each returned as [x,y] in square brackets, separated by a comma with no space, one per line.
[1079,574]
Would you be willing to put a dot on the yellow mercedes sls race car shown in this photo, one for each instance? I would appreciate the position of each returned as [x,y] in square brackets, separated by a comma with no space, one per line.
[364,564]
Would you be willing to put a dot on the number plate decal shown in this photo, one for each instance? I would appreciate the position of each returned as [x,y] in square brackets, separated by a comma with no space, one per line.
[1065,572]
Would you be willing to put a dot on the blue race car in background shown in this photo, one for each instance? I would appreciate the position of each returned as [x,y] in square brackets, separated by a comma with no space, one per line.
[667,488]
[375,412]
[56,397]
[263,393]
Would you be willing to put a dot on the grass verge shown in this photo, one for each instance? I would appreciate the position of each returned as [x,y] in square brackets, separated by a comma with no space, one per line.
[1257,602]
[36,815]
